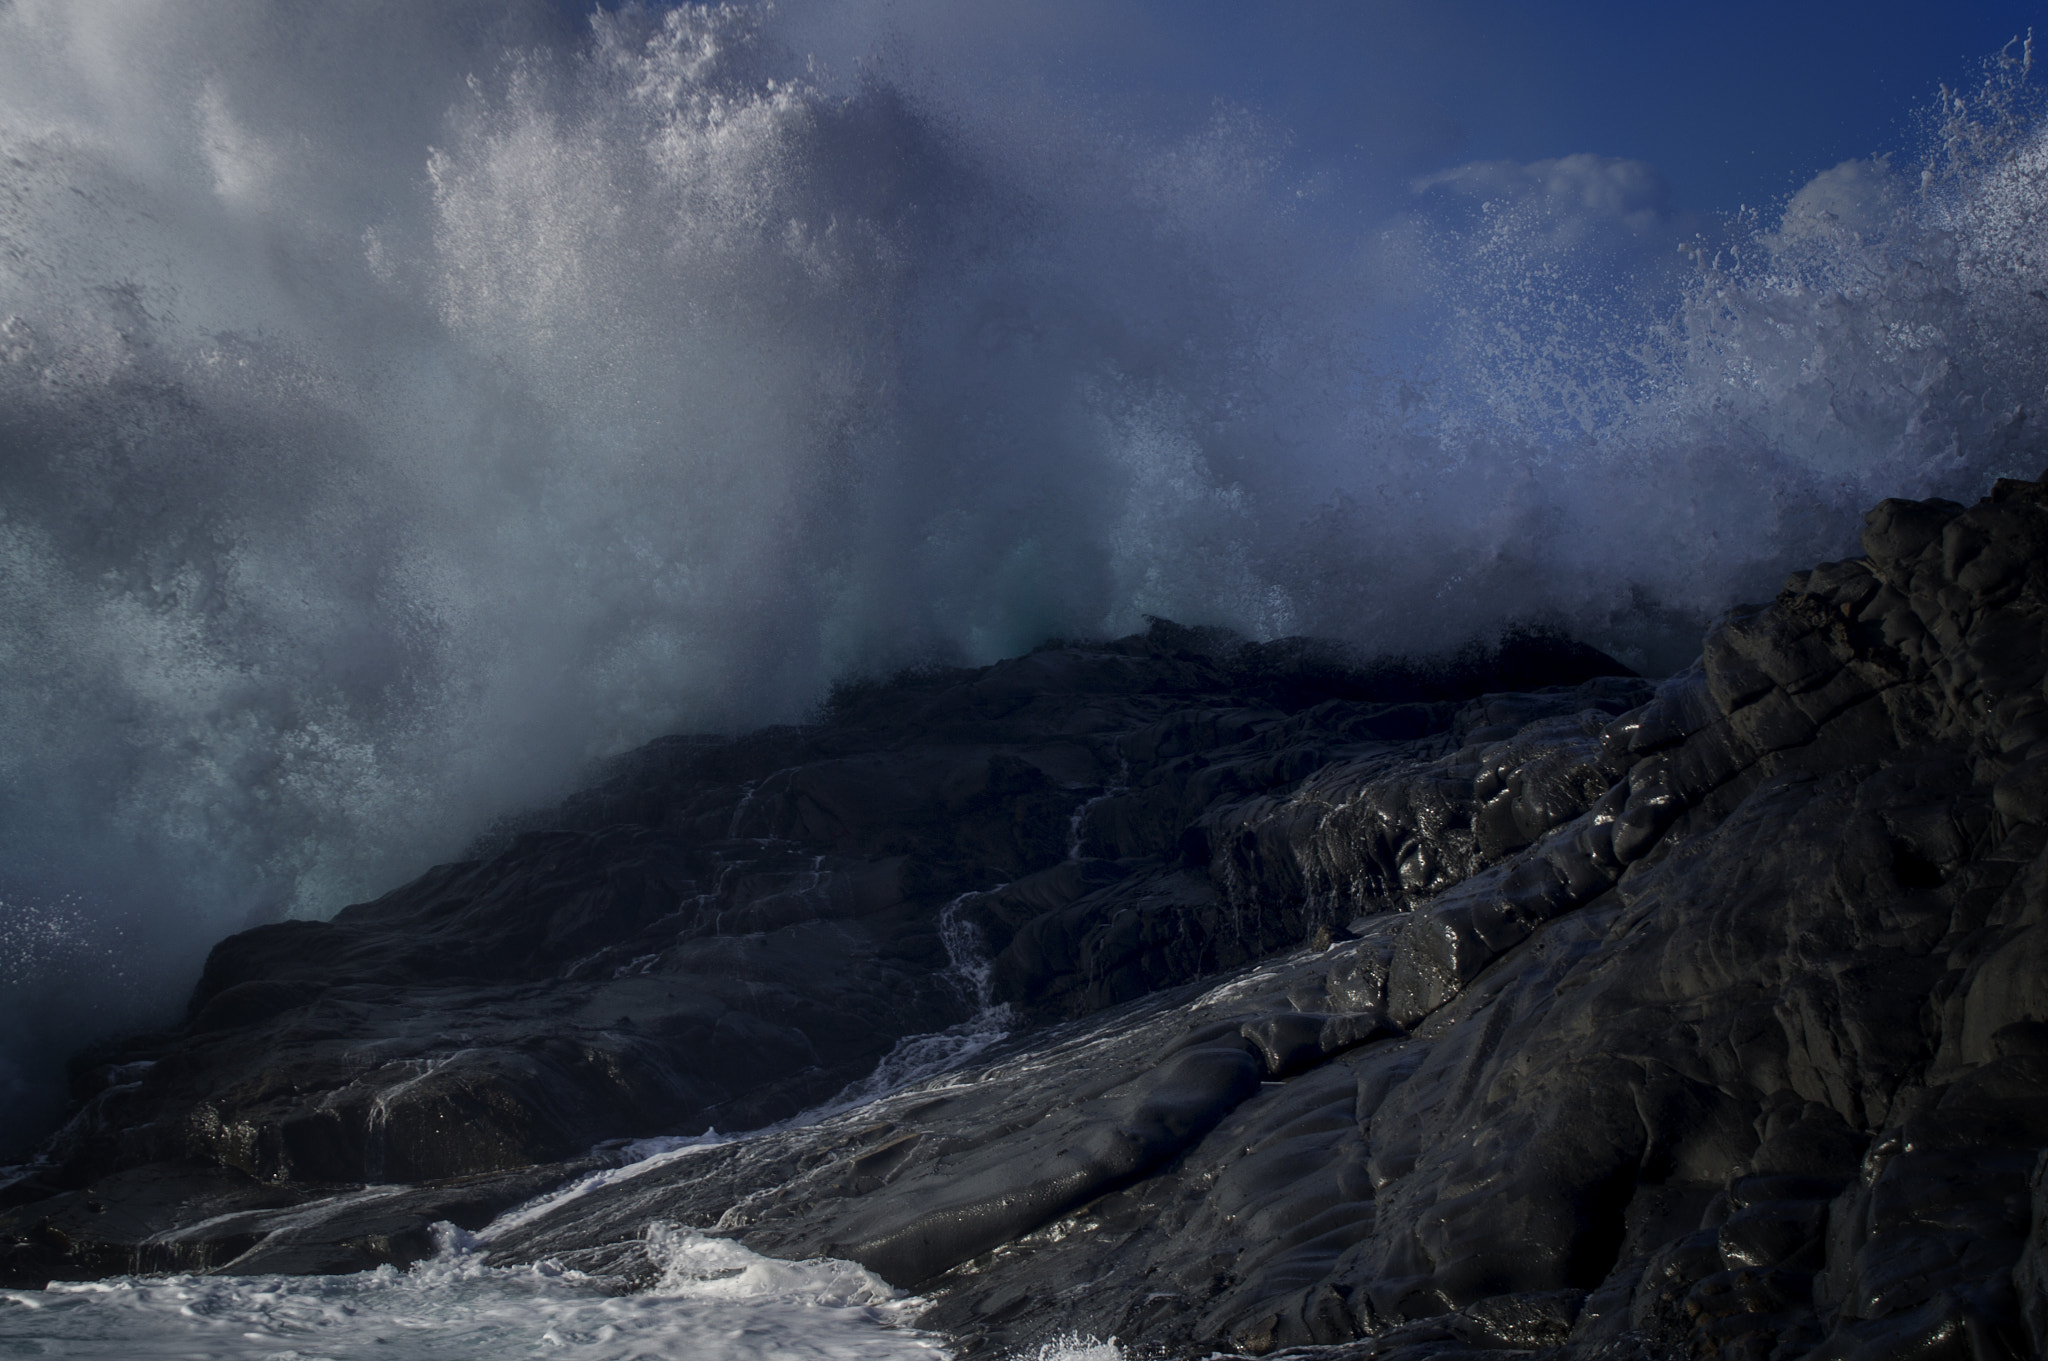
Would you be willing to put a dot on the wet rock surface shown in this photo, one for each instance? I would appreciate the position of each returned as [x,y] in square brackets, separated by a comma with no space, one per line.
[1352,1013]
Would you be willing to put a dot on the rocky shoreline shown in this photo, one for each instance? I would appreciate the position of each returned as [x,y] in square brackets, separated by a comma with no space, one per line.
[1346,1012]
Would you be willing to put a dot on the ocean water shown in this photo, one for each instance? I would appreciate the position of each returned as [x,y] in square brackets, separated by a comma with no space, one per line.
[403,407]
[715,1301]
[711,1300]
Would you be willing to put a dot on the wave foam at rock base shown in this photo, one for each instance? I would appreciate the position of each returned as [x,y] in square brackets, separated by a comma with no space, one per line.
[716,1300]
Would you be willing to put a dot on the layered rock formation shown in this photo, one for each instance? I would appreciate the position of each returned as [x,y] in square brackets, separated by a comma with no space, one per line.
[1352,1013]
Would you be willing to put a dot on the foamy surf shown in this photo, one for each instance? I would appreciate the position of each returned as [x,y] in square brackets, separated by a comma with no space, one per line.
[714,1301]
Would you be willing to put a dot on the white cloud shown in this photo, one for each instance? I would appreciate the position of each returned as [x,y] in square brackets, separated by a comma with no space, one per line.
[1578,196]
[1861,198]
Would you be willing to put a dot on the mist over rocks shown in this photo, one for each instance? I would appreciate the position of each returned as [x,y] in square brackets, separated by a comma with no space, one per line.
[727,931]
[403,408]
[1351,1012]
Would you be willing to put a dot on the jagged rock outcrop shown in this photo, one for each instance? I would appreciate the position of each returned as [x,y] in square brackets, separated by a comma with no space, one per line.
[1702,1019]
[723,933]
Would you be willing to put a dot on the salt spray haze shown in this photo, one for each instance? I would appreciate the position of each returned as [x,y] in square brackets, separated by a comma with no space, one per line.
[402,406]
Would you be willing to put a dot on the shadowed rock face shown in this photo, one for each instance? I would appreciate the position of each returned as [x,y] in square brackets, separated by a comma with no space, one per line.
[727,932]
[1358,1014]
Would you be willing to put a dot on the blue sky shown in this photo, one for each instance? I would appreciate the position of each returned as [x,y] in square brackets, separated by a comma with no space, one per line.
[1736,103]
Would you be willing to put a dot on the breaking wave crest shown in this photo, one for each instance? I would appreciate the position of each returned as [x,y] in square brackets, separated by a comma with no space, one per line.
[401,410]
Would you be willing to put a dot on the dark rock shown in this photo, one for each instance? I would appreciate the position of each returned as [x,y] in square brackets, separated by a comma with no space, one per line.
[961,1207]
[1356,1011]
[194,1219]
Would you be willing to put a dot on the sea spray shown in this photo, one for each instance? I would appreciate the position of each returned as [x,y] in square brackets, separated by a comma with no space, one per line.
[713,1301]
[1076,1348]
[399,414]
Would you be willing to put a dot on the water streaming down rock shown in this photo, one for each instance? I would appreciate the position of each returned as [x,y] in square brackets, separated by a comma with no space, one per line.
[969,972]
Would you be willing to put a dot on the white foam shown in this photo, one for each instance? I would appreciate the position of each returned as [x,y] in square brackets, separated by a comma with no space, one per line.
[714,1301]
[1074,1347]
